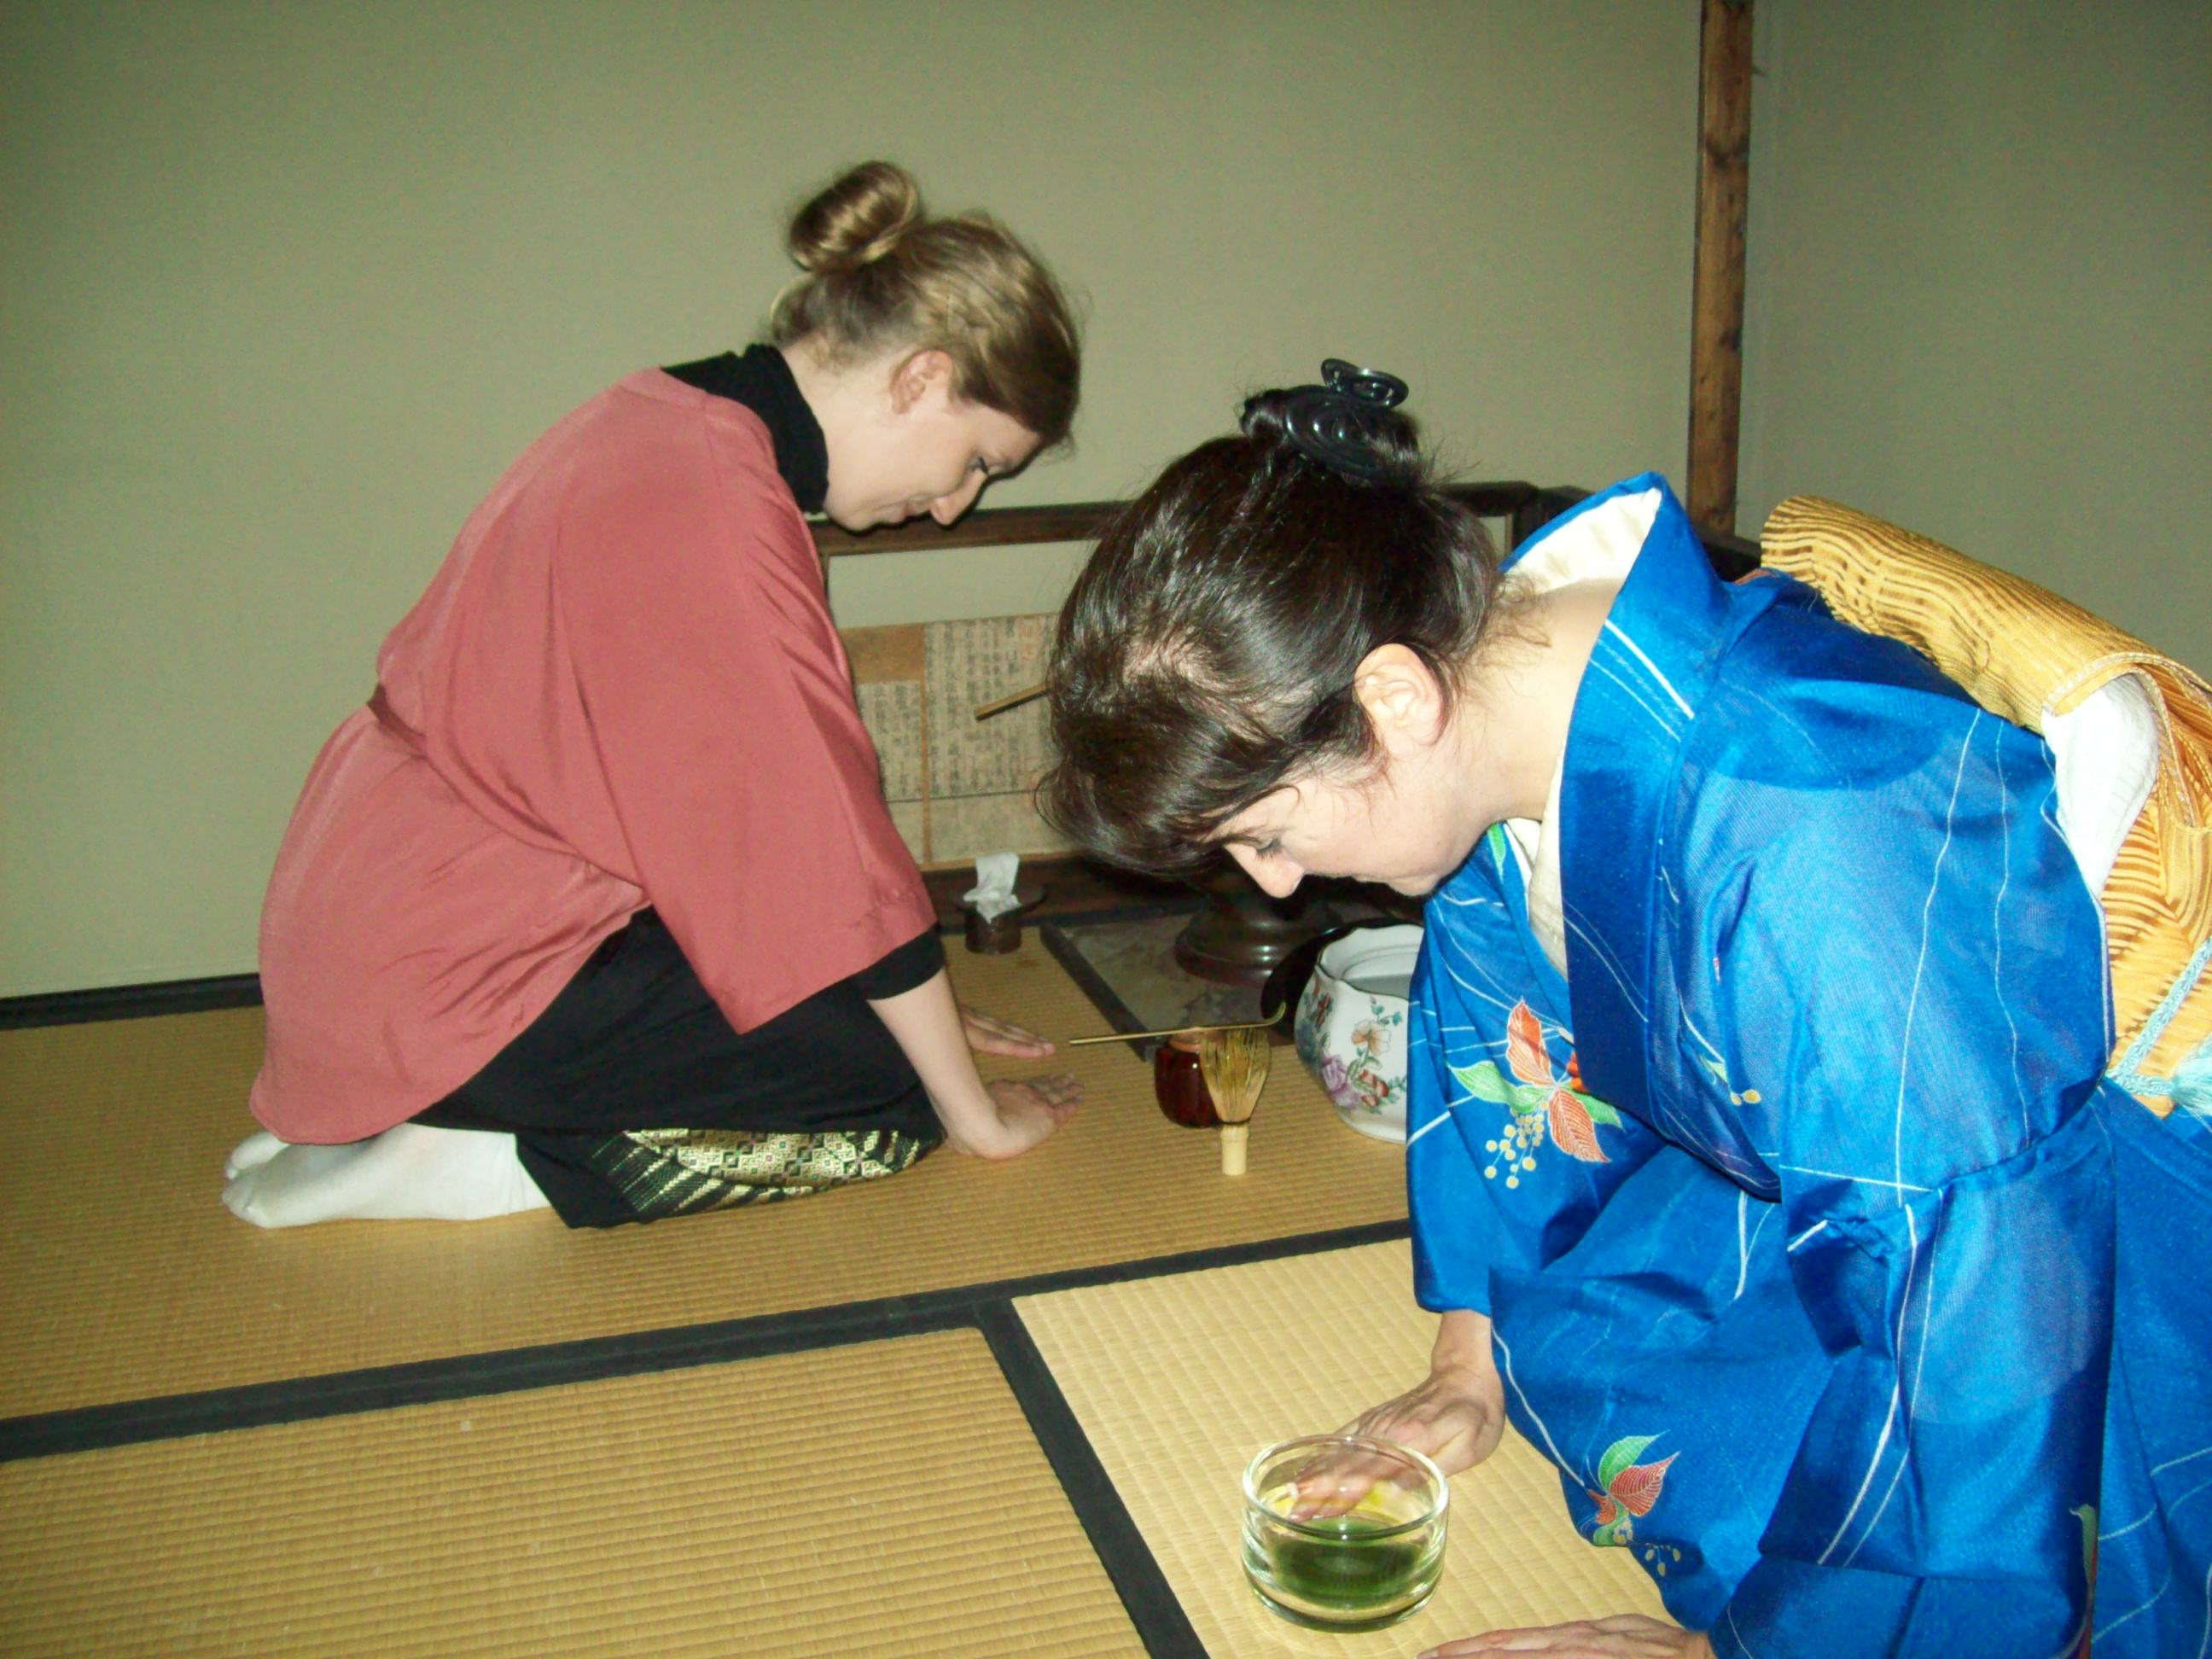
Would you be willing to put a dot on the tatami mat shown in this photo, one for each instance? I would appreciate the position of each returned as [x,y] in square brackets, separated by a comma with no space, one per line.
[884,1498]
[1178,1380]
[122,1277]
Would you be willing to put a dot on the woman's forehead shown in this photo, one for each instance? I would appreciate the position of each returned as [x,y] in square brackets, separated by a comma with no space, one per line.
[1259,820]
[1008,443]
[1292,805]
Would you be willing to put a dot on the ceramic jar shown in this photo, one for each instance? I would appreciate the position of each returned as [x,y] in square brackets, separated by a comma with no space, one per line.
[1350,1026]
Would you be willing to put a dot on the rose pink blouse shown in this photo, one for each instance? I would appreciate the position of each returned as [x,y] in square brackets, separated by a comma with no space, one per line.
[622,689]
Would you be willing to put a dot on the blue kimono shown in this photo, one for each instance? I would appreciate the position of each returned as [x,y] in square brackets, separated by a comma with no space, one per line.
[1822,1259]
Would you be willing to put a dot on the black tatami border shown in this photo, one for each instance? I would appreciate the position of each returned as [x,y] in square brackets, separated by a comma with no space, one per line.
[1147,1598]
[591,1360]
[200,996]
[174,996]
[1160,1621]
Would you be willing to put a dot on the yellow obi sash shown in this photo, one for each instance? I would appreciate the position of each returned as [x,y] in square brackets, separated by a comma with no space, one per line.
[2024,652]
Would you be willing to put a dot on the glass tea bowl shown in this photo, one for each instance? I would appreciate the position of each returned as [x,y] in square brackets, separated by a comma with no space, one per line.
[1369,1564]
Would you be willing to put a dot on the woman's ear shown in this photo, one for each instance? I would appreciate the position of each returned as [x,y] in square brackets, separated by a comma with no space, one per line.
[1404,703]
[915,374]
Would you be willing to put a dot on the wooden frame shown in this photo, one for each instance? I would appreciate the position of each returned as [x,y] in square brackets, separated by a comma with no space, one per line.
[1716,291]
[1082,521]
[1525,506]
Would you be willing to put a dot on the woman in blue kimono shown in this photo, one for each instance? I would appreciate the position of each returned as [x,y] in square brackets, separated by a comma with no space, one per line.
[1762,1166]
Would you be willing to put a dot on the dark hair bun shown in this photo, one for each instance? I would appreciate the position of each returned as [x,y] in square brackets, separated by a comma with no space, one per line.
[1351,425]
[860,217]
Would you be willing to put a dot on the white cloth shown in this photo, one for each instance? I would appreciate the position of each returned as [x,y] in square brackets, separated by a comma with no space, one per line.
[2106,753]
[1600,545]
[1535,844]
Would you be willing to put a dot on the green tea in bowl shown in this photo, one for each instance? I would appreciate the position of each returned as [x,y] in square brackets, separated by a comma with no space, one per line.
[1343,1563]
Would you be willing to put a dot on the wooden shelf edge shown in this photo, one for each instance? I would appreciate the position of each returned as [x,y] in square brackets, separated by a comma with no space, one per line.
[1074,521]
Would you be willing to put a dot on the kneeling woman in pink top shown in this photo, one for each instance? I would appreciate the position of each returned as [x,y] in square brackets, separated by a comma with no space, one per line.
[597,903]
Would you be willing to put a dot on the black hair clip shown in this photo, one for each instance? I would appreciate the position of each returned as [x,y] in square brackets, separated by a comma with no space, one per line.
[1337,422]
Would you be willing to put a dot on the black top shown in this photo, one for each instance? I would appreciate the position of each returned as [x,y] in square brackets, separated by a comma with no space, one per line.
[913,963]
[761,381]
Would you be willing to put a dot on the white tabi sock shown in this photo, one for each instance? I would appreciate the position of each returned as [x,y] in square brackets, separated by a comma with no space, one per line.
[251,1152]
[410,1173]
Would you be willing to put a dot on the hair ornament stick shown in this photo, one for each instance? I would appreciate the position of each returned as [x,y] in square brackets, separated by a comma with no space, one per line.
[1013,700]
[1336,422]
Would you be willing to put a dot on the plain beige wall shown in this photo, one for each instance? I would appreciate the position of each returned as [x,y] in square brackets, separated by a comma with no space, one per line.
[1981,287]
[284,286]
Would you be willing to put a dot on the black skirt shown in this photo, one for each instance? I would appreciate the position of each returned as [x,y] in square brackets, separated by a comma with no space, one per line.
[634,1053]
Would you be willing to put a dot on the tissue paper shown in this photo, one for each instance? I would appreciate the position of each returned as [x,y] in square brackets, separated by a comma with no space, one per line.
[993,895]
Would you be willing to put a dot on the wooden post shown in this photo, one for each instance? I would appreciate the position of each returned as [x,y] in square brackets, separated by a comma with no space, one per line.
[1716,305]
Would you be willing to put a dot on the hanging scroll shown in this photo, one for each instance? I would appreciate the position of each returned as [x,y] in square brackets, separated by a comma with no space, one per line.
[956,786]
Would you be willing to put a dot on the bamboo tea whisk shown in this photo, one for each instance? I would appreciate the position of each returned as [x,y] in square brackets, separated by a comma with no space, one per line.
[1234,1064]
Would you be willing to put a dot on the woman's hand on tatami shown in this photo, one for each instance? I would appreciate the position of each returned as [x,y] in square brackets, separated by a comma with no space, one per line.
[986,1034]
[1001,1119]
[1625,1636]
[1026,1112]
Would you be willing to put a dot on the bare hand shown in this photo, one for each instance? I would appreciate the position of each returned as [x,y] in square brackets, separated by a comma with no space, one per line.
[987,1034]
[1455,1416]
[1624,1636]
[1447,1416]
[1027,1110]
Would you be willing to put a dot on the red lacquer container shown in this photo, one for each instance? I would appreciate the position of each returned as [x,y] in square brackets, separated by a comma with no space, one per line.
[1180,1086]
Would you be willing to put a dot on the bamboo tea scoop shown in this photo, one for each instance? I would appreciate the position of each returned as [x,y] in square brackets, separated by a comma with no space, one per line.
[1173,1030]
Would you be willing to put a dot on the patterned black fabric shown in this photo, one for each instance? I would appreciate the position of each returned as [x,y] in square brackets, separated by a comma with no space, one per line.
[633,1045]
[664,1172]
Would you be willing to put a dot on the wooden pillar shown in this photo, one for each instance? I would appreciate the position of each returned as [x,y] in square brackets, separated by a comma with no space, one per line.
[1716,305]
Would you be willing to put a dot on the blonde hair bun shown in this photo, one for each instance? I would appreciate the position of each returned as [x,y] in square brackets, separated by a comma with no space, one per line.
[857,219]
[880,276]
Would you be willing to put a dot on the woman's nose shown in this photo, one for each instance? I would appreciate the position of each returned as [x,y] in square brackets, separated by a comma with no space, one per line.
[945,508]
[1276,876]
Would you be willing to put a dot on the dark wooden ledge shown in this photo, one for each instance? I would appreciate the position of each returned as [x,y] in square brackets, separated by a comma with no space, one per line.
[1527,507]
[1077,521]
